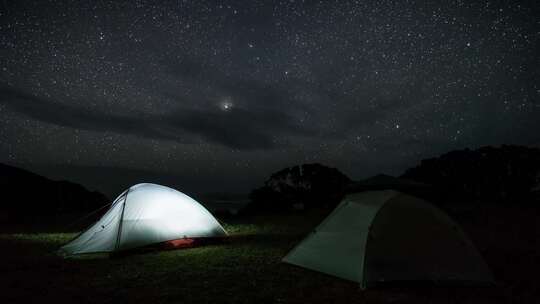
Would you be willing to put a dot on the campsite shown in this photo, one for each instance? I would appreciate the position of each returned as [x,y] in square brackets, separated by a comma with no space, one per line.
[255,261]
[262,151]
[247,267]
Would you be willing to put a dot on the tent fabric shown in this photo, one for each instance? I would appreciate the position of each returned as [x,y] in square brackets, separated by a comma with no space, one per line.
[146,214]
[386,236]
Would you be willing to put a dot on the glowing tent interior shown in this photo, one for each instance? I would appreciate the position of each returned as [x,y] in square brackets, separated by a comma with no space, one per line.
[378,237]
[146,214]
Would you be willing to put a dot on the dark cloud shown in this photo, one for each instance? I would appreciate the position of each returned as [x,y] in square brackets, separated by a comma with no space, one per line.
[237,128]
[45,110]
[250,92]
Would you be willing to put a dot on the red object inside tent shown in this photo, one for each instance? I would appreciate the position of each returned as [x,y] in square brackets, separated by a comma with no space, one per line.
[179,243]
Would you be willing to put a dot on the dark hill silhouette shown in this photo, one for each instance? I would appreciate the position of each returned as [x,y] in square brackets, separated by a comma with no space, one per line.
[504,174]
[26,193]
[299,187]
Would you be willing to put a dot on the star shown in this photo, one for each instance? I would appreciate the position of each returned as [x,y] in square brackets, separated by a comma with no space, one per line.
[226,104]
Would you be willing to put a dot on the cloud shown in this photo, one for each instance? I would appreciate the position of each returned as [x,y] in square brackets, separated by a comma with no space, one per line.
[240,128]
[61,114]
[249,92]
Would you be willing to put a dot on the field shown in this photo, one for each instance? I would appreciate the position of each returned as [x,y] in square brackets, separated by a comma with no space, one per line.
[247,268]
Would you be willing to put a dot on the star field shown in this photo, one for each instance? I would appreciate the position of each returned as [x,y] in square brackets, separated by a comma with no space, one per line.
[237,89]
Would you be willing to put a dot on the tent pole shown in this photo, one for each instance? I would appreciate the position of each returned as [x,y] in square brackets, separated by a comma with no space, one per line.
[120,222]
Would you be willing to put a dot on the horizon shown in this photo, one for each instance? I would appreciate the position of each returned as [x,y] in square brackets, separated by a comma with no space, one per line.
[120,179]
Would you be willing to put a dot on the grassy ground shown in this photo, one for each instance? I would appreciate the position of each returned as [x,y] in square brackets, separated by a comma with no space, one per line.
[247,268]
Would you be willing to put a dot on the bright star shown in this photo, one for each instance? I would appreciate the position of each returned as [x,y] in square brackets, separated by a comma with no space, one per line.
[226,104]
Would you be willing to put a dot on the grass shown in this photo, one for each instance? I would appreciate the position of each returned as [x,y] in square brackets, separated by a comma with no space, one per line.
[245,269]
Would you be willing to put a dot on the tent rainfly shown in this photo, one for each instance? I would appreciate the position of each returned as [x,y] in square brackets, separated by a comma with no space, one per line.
[146,214]
[378,237]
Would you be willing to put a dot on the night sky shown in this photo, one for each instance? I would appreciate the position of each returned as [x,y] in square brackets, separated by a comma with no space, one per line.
[227,92]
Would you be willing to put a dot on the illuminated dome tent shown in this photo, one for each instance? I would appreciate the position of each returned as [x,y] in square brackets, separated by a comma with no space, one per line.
[378,237]
[146,214]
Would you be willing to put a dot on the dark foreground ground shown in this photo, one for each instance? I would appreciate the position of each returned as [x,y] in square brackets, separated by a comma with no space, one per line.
[247,268]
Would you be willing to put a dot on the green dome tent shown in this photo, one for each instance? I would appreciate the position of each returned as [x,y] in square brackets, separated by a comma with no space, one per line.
[386,236]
